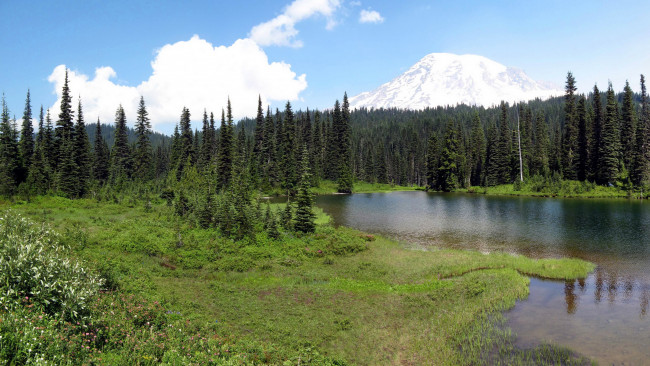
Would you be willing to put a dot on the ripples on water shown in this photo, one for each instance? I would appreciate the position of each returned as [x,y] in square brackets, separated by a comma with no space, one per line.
[603,317]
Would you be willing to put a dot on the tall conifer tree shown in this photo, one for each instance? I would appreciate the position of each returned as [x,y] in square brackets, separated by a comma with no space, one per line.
[26,139]
[143,154]
[610,146]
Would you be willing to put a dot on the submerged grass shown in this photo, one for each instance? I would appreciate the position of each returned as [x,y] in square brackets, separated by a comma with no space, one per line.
[351,296]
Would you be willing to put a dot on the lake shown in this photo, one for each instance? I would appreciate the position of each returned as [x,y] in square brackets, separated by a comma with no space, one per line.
[604,317]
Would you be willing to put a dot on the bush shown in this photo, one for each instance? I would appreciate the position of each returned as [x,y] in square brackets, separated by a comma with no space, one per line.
[34,265]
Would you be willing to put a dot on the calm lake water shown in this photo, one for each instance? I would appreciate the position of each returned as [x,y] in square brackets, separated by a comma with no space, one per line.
[604,317]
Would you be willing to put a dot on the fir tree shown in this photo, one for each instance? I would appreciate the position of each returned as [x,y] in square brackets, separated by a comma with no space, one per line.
[225,150]
[570,142]
[448,169]
[596,131]
[345,180]
[121,163]
[304,221]
[82,154]
[64,132]
[628,125]
[477,151]
[432,162]
[640,171]
[8,154]
[610,146]
[143,155]
[502,151]
[583,139]
[540,159]
[49,149]
[289,149]
[491,166]
[205,153]
[26,145]
[101,156]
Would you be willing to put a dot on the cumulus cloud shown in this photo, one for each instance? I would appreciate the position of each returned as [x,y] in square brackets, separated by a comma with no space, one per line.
[192,73]
[281,31]
[370,16]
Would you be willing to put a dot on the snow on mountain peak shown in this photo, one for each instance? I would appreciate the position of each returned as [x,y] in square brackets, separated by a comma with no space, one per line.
[441,79]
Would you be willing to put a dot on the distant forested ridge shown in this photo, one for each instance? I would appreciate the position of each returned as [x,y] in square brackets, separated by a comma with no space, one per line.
[601,137]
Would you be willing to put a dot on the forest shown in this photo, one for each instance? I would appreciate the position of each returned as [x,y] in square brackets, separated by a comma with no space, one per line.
[119,245]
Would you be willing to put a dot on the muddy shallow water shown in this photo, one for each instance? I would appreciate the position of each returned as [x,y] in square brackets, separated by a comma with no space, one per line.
[604,317]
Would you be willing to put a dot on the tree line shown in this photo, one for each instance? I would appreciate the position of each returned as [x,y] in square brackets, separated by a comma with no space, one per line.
[601,137]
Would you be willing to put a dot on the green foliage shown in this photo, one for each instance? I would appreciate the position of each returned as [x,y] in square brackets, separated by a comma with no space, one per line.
[34,265]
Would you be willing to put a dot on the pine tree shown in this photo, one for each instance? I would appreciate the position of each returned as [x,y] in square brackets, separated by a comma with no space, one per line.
[491,167]
[82,154]
[121,163]
[26,145]
[432,162]
[225,150]
[596,131]
[186,157]
[49,149]
[305,217]
[448,169]
[628,125]
[477,151]
[64,132]
[640,171]
[288,160]
[101,156]
[610,147]
[583,141]
[502,148]
[8,154]
[540,159]
[143,154]
[205,153]
[345,180]
[570,142]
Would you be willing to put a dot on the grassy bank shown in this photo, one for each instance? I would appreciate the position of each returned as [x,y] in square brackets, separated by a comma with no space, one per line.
[329,187]
[333,297]
[560,188]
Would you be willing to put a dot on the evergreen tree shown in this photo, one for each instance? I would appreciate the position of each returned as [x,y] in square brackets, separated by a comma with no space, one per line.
[205,154]
[186,157]
[540,160]
[432,162]
[502,151]
[596,131]
[628,125]
[610,147]
[121,163]
[82,154]
[345,180]
[570,142]
[491,156]
[225,150]
[583,142]
[64,132]
[289,161]
[8,154]
[640,172]
[49,148]
[26,146]
[477,151]
[305,217]
[448,169]
[143,154]
[101,156]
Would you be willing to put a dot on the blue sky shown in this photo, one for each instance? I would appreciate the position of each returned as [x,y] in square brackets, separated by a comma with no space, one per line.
[306,51]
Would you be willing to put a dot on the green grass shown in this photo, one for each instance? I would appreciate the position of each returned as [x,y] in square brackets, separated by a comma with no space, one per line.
[338,292]
[330,187]
[563,189]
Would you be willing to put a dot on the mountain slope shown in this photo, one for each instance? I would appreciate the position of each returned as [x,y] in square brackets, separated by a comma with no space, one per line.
[441,79]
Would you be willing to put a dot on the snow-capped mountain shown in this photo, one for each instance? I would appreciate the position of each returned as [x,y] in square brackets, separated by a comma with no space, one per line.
[441,79]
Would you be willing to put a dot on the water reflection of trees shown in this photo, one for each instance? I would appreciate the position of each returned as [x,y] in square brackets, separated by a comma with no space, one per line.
[624,289]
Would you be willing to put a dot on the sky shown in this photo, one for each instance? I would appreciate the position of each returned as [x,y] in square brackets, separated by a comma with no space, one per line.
[309,52]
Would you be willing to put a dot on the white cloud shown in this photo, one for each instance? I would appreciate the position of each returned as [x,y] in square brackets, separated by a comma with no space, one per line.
[281,31]
[192,73]
[370,16]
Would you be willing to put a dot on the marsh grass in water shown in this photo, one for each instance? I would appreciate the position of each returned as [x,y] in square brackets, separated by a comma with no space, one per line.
[331,297]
